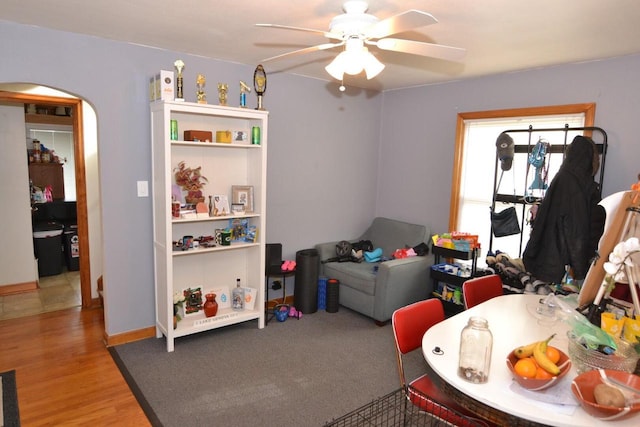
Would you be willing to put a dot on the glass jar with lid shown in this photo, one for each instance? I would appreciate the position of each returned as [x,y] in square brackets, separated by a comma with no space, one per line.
[476,344]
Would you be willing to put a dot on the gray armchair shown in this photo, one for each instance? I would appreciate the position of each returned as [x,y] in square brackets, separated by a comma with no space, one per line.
[396,283]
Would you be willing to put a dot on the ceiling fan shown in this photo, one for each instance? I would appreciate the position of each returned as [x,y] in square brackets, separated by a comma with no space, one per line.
[355,29]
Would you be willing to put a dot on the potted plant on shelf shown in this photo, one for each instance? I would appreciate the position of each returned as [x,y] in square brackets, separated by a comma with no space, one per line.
[178,303]
[192,181]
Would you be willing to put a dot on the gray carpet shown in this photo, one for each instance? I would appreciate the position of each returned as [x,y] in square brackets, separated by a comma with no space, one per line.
[299,372]
[9,413]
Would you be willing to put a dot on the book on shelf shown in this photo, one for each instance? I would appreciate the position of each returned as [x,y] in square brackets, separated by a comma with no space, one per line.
[252,234]
[239,228]
[249,298]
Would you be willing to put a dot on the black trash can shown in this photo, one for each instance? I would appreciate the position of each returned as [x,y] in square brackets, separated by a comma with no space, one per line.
[47,243]
[305,295]
[71,248]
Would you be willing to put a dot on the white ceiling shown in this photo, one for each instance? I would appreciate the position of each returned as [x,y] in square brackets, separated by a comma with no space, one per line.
[499,35]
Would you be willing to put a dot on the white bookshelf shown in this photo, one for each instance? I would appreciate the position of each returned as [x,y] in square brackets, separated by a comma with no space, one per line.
[224,165]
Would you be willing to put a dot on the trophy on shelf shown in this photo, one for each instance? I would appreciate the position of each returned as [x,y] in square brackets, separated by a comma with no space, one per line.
[200,95]
[179,67]
[260,84]
[222,93]
[243,94]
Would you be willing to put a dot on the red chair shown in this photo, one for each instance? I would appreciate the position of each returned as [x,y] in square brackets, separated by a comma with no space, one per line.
[481,289]
[409,325]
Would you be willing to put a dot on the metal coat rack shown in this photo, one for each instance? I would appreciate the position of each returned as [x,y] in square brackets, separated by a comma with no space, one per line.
[526,149]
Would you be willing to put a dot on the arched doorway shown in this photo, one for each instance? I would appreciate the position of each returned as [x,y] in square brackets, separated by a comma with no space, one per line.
[76,107]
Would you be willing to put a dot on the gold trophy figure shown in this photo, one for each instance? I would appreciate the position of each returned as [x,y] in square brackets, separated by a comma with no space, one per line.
[260,84]
[222,93]
[179,67]
[200,83]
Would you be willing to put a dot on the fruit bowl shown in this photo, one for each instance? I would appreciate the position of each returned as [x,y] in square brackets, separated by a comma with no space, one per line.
[538,384]
[584,384]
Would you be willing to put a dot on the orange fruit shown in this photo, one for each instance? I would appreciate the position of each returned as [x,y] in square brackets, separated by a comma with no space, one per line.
[525,368]
[542,374]
[553,354]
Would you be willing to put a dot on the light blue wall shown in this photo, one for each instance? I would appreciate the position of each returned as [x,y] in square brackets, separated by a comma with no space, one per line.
[335,160]
[321,160]
[418,129]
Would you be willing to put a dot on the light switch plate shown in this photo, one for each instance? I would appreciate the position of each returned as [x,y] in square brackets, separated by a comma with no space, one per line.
[143,189]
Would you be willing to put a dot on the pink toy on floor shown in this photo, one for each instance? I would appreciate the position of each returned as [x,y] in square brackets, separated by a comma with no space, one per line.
[295,313]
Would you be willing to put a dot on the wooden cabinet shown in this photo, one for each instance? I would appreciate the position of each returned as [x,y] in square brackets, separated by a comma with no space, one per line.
[238,163]
[48,119]
[44,174]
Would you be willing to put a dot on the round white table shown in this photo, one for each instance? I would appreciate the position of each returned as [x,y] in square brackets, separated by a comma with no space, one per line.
[511,326]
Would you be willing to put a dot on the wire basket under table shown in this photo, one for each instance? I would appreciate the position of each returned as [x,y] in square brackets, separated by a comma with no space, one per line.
[395,409]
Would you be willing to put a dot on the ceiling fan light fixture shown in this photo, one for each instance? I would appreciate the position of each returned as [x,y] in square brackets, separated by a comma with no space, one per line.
[372,66]
[336,68]
[353,60]
[347,62]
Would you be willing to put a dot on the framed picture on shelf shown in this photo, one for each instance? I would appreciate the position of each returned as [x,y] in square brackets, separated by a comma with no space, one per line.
[239,136]
[192,300]
[220,205]
[237,208]
[243,194]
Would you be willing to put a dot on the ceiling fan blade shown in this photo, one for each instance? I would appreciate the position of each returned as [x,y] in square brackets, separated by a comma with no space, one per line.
[400,23]
[307,30]
[420,48]
[305,50]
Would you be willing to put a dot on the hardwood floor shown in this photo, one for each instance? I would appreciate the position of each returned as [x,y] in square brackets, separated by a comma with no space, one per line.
[64,372]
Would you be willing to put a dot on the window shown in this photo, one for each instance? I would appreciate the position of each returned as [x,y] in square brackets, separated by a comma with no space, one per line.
[475,167]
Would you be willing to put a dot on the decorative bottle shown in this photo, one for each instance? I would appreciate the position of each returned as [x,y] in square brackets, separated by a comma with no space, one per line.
[237,297]
[476,343]
[210,305]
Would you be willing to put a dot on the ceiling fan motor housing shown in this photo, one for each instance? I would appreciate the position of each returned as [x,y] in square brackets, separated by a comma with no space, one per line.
[354,21]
